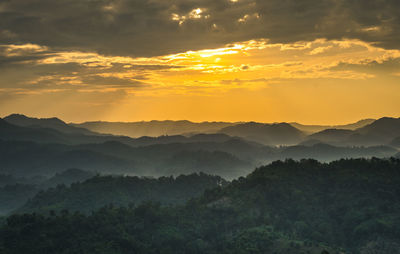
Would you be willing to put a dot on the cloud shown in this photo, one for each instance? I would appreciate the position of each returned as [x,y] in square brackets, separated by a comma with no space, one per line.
[11,55]
[160,27]
[254,64]
[96,80]
[320,50]
[383,67]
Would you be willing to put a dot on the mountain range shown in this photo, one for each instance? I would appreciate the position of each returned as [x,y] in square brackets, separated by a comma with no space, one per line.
[367,132]
[50,167]
[44,147]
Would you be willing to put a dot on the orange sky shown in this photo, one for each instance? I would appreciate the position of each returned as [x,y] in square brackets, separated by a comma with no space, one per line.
[314,62]
[325,82]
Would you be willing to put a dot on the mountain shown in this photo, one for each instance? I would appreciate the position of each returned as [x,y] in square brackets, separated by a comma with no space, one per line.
[50,133]
[168,127]
[67,177]
[21,158]
[153,128]
[13,196]
[317,128]
[229,159]
[13,132]
[268,134]
[8,179]
[40,134]
[196,138]
[25,159]
[383,130]
[53,130]
[332,136]
[100,191]
[310,142]
[32,151]
[326,152]
[395,142]
[52,123]
[380,132]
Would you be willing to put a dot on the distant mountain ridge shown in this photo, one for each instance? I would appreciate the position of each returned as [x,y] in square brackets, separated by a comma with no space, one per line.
[317,128]
[54,130]
[53,123]
[157,128]
[153,128]
[332,135]
[269,134]
[163,132]
[384,131]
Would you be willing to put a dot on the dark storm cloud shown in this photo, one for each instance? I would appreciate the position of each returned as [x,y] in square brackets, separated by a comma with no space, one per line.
[146,28]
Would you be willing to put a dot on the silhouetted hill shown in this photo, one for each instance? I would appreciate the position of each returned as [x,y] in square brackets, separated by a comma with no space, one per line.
[145,141]
[13,132]
[52,151]
[332,136]
[317,128]
[395,142]
[326,152]
[217,137]
[67,177]
[153,128]
[382,131]
[53,123]
[229,159]
[53,130]
[28,158]
[215,162]
[269,134]
[310,142]
[8,179]
[161,128]
[22,158]
[15,195]
[100,191]
[39,134]
[223,158]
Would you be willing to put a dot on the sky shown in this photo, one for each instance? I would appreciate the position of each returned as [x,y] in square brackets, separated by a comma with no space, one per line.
[309,61]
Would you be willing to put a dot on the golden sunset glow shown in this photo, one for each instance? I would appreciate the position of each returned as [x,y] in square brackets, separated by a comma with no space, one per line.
[252,80]
[327,62]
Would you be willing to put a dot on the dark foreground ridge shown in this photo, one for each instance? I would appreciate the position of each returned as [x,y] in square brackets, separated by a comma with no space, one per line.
[349,206]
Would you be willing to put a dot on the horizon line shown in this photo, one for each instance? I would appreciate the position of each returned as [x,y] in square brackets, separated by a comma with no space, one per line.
[198,122]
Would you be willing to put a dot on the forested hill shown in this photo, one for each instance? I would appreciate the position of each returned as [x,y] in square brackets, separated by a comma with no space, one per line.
[100,191]
[350,203]
[346,206]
